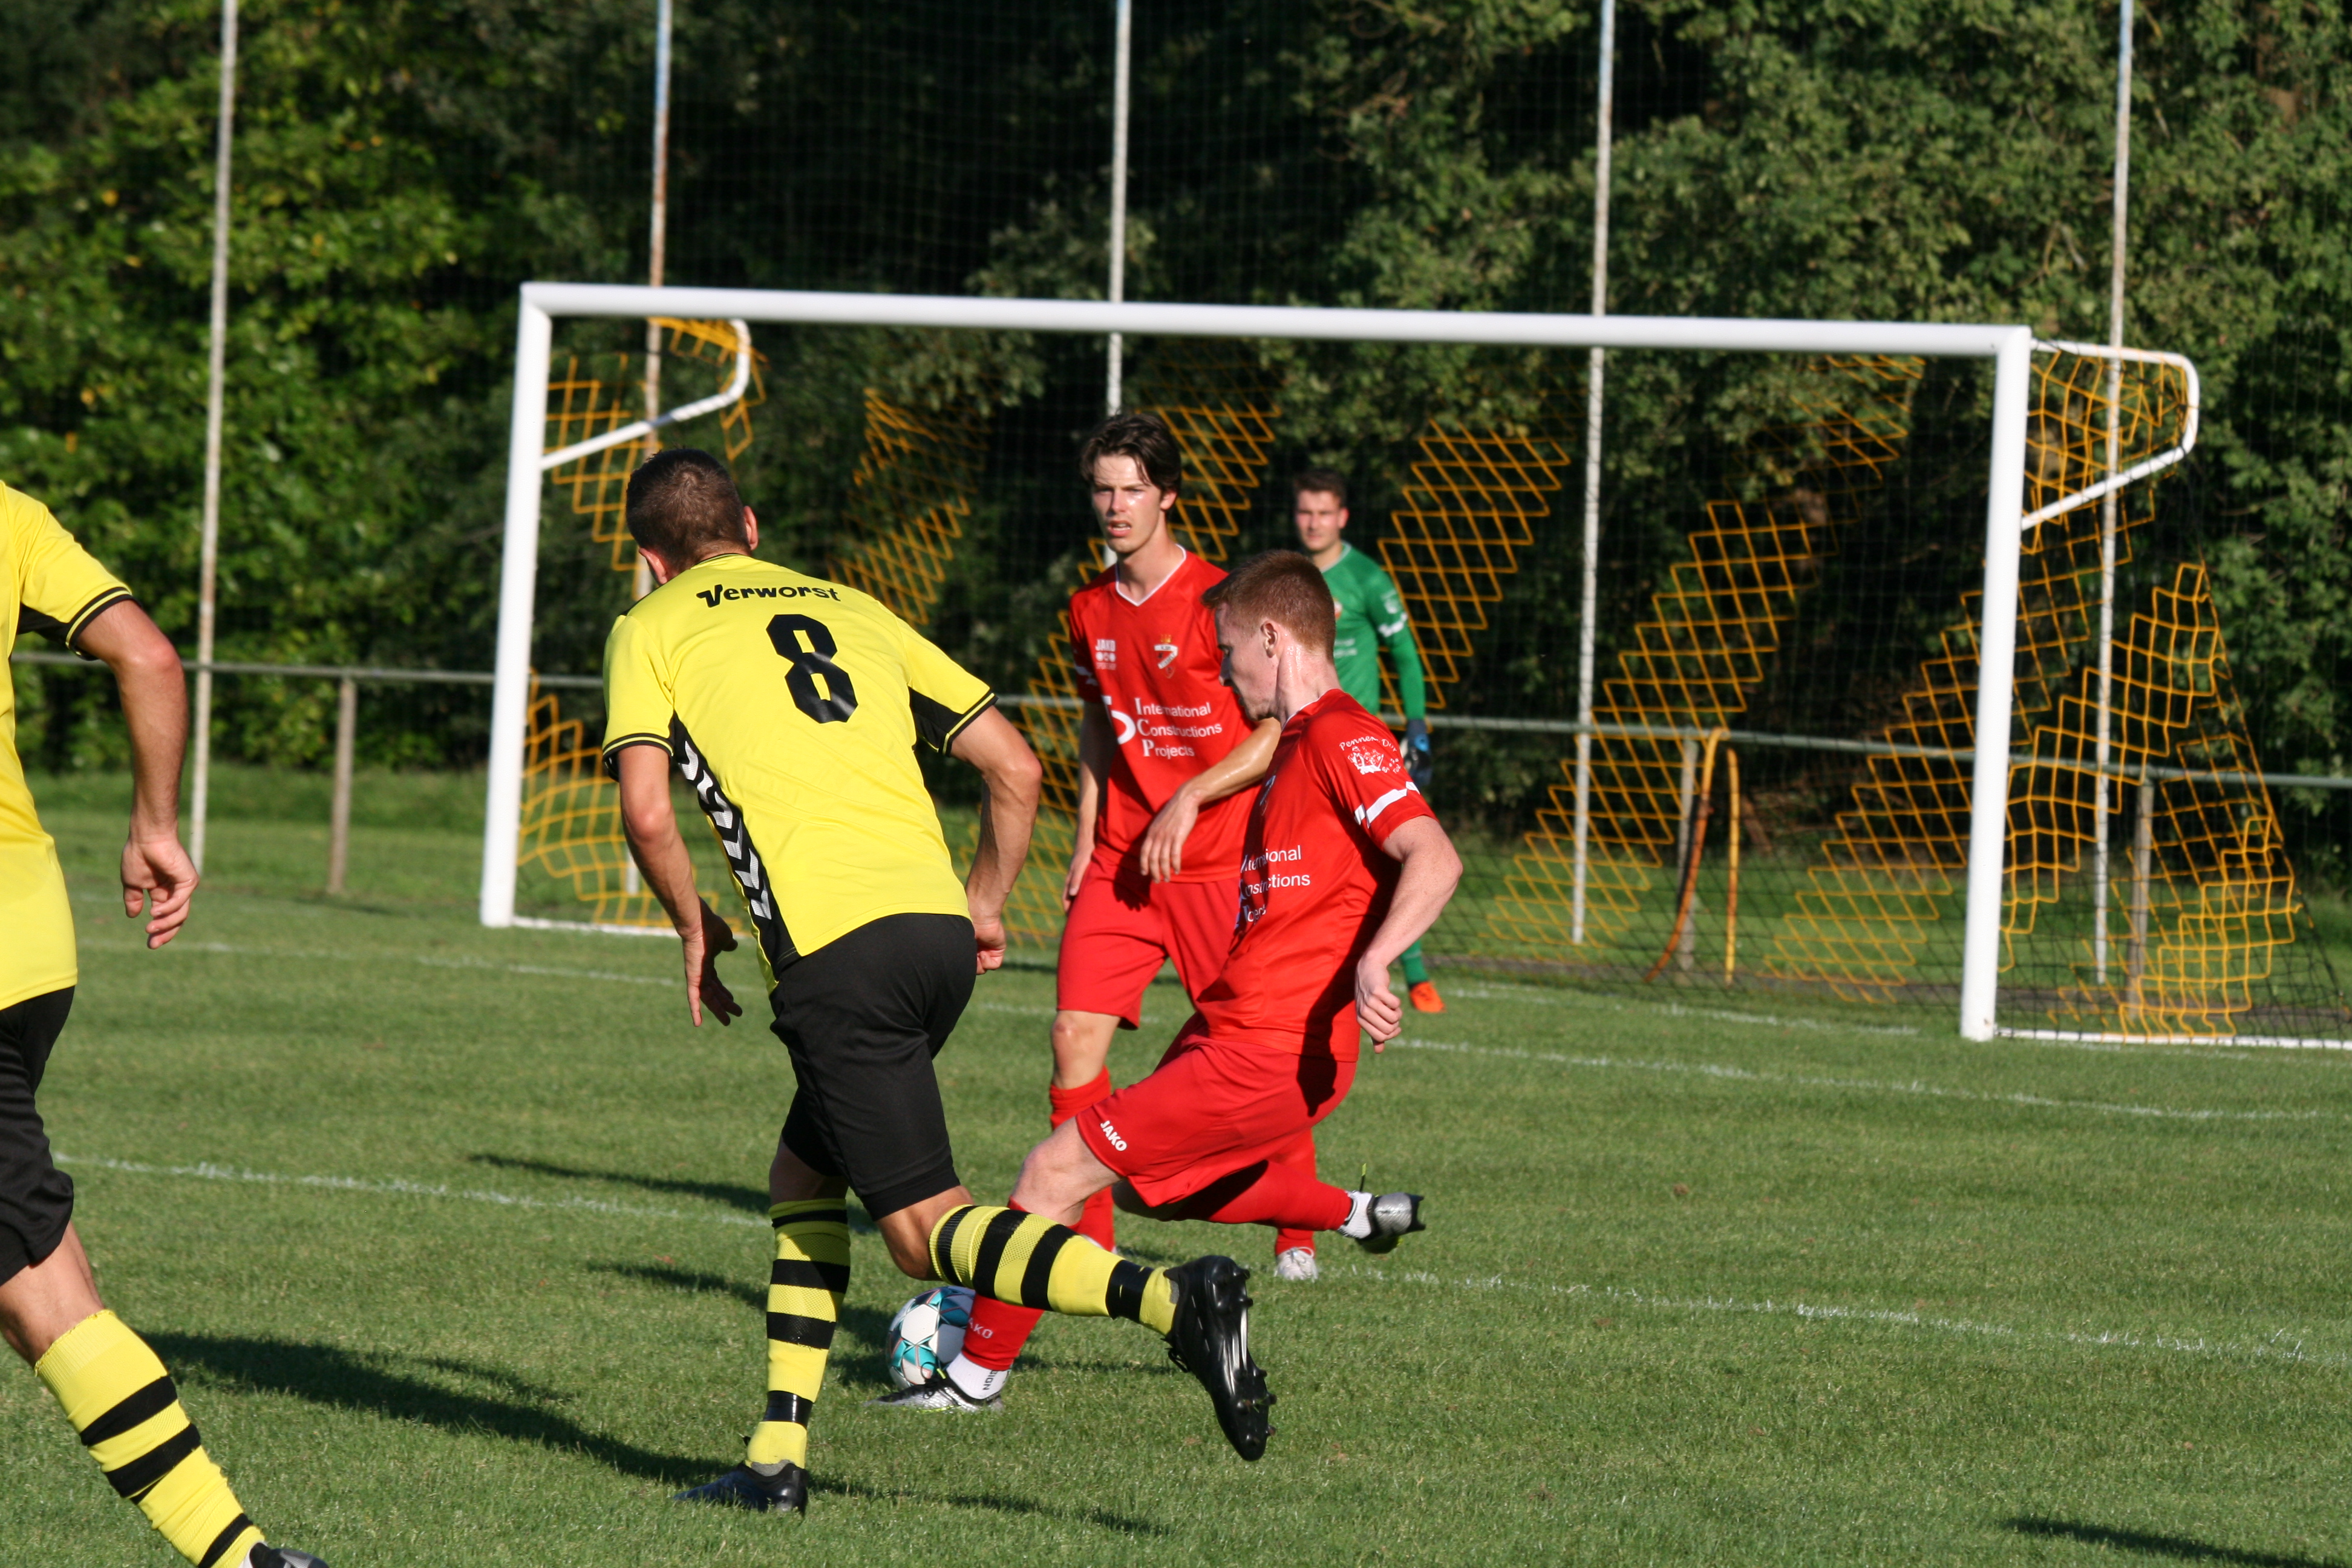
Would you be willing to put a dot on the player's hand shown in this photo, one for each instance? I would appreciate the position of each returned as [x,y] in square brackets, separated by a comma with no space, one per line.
[1075,875]
[703,946]
[158,876]
[1378,1011]
[988,942]
[1163,841]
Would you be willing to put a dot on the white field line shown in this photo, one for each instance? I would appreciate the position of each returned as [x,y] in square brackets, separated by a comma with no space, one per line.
[429,961]
[395,1187]
[2271,1350]
[1933,1091]
[1810,1311]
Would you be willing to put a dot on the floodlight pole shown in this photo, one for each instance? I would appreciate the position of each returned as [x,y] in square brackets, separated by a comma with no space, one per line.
[215,392]
[2108,506]
[655,253]
[1122,50]
[641,581]
[1593,408]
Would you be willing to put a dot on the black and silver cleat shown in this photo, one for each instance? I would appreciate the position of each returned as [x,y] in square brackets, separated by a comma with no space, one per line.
[1393,1215]
[786,1491]
[1211,1340]
[280,1557]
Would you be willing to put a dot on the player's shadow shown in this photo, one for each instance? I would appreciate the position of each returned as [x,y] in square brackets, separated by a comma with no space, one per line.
[325,1374]
[693,1281]
[752,1200]
[996,1502]
[2182,1548]
[857,1323]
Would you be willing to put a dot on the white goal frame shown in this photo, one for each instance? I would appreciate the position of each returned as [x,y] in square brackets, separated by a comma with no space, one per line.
[2010,348]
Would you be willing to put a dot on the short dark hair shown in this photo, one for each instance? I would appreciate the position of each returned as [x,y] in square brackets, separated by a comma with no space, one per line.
[1282,586]
[1322,481]
[1143,436]
[681,503]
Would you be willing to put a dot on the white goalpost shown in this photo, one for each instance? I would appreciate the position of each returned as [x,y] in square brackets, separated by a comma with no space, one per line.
[2010,348]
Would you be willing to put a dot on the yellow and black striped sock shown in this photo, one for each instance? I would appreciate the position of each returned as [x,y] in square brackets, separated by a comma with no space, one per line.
[121,1400]
[804,1292]
[1030,1261]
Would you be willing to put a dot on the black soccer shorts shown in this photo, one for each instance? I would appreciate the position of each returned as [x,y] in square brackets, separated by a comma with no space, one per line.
[862,1016]
[36,1197]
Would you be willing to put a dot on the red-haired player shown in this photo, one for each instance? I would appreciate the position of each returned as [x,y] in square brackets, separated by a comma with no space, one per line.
[1164,756]
[1343,865]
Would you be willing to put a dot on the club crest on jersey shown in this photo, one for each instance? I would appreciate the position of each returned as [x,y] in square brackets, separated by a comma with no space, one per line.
[1371,756]
[1105,653]
[1167,652]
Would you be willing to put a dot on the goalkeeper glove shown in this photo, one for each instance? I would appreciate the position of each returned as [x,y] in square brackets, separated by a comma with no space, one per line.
[1418,766]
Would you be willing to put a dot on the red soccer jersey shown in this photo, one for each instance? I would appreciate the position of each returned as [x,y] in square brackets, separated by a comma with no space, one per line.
[1314,882]
[1154,667]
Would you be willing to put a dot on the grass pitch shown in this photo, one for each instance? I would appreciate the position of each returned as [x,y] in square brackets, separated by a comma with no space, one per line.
[455,1240]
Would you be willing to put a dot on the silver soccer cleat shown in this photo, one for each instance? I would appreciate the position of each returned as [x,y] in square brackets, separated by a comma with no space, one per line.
[1393,1215]
[1297,1264]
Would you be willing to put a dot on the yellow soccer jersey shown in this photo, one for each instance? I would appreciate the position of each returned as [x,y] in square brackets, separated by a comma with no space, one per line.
[48,583]
[792,705]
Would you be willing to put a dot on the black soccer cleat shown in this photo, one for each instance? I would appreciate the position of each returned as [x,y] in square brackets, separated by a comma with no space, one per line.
[1211,1340]
[1393,1215]
[786,1491]
[280,1557]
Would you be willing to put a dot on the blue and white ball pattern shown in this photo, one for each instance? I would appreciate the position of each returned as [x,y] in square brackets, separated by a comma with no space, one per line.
[928,1334]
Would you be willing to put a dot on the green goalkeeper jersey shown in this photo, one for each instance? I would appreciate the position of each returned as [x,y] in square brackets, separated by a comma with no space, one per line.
[1372,617]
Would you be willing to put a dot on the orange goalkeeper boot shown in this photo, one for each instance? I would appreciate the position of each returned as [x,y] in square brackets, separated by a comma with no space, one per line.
[1426,998]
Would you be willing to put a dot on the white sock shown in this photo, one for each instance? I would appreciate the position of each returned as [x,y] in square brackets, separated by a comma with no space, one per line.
[974,1381]
[1358,1225]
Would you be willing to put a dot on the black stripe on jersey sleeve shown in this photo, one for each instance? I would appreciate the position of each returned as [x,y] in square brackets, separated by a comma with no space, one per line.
[619,743]
[29,619]
[937,725]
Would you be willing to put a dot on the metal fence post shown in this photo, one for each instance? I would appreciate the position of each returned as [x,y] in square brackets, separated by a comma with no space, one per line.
[339,830]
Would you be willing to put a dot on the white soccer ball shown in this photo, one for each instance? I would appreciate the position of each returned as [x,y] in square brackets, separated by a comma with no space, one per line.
[926,1335]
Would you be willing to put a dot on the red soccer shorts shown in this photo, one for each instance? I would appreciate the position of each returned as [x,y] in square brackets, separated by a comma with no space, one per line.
[1121,928]
[1208,1109]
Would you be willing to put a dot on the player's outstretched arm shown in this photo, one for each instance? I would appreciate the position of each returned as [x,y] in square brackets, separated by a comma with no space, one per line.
[1431,869]
[157,871]
[1239,769]
[1011,777]
[652,828]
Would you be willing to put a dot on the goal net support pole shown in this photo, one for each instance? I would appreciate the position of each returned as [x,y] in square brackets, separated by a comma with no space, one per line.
[2010,348]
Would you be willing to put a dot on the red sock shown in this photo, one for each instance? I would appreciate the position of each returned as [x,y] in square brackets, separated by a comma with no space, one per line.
[998,1329]
[1277,1194]
[1299,1155]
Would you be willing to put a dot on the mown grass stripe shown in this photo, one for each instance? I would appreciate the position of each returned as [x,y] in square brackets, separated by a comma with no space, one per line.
[1929,1091]
[1827,1312]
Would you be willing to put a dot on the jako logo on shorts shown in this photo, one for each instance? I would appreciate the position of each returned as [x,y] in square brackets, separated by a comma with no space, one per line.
[1111,1133]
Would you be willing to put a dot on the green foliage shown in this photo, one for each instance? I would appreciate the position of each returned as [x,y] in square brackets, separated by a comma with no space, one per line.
[401,166]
